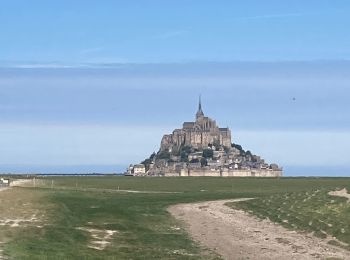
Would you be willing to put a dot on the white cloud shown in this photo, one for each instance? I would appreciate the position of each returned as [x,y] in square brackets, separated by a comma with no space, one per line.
[268,16]
[42,66]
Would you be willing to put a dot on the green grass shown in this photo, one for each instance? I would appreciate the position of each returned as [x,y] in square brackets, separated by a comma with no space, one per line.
[144,227]
[313,211]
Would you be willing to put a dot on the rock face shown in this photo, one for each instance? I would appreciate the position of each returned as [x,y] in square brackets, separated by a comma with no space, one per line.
[198,134]
[201,148]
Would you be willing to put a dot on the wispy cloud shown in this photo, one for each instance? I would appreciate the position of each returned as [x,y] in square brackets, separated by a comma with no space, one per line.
[63,65]
[268,16]
[171,34]
[40,66]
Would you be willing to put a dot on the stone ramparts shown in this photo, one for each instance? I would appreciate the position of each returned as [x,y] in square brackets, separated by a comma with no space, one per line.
[227,173]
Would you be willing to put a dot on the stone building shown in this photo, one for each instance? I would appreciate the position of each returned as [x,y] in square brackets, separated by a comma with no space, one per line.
[201,148]
[199,134]
[137,169]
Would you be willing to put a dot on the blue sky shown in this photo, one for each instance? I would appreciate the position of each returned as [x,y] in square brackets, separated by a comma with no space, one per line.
[79,77]
[173,31]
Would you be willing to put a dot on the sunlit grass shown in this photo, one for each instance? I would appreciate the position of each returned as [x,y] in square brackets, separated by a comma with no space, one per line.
[143,227]
[313,211]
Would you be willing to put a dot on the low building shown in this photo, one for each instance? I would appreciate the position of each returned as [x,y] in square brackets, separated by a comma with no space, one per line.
[139,169]
[4,182]
[194,165]
[214,163]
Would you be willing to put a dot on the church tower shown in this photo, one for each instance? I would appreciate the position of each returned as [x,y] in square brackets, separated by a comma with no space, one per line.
[200,111]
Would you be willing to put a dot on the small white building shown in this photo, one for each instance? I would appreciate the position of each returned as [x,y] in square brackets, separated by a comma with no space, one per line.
[139,169]
[4,182]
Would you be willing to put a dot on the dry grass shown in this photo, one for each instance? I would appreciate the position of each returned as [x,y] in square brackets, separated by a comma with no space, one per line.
[100,238]
[21,210]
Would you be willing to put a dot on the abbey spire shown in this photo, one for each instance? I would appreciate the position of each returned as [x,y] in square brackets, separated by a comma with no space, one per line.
[200,111]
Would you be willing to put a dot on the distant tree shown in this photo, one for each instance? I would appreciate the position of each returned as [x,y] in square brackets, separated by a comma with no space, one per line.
[184,156]
[164,155]
[254,158]
[208,153]
[184,151]
[152,155]
[187,149]
[204,162]
[176,152]
[146,163]
[237,146]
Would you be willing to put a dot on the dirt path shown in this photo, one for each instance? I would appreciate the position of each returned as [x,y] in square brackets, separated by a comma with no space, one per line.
[234,234]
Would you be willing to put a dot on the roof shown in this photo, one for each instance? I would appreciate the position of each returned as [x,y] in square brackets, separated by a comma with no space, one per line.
[188,124]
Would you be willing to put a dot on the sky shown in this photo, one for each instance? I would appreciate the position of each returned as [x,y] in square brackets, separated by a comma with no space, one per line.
[93,85]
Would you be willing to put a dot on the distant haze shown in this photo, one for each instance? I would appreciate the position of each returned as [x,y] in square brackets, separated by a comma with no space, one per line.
[291,113]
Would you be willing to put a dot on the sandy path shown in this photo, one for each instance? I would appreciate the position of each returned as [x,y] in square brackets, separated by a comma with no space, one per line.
[234,234]
[21,182]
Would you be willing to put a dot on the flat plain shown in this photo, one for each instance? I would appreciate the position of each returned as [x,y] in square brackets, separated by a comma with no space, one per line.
[127,218]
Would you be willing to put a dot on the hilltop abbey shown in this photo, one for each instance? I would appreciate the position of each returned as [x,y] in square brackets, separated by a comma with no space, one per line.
[202,148]
[198,134]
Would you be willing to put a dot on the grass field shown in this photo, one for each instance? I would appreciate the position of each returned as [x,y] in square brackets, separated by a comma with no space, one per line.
[313,211]
[74,214]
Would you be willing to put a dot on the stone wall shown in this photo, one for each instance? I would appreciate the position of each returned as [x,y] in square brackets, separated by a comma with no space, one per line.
[226,173]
